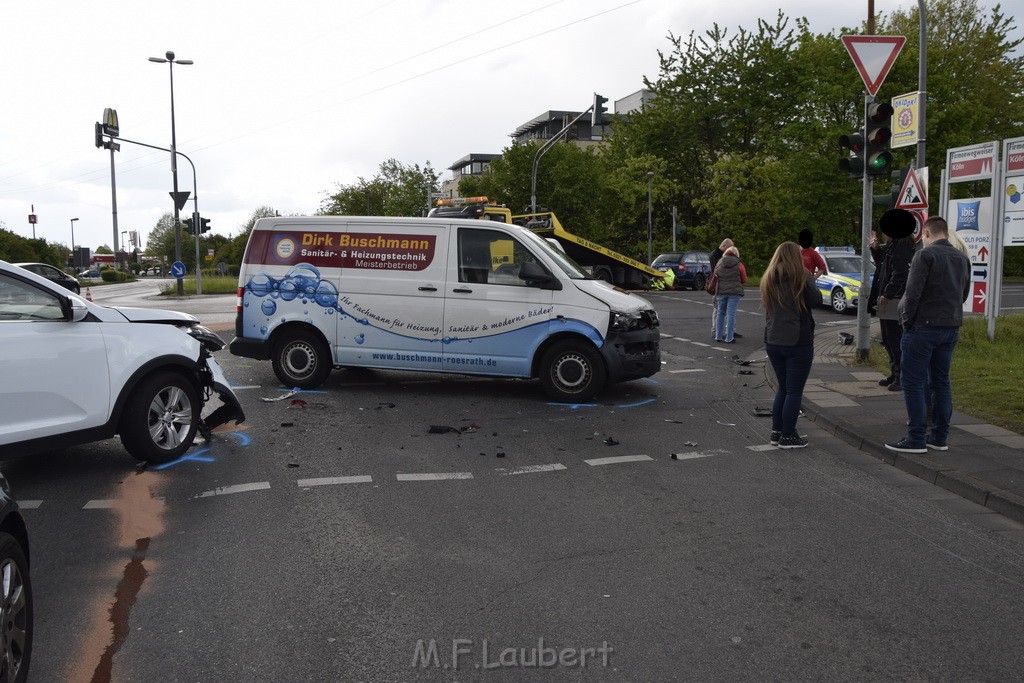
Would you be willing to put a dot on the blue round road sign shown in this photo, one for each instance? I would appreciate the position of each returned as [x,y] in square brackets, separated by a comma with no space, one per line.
[178,269]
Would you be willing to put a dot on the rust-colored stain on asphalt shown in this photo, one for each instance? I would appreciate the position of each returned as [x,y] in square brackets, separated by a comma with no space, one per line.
[140,520]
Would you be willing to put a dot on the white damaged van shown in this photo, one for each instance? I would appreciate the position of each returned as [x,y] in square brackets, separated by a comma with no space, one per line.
[434,295]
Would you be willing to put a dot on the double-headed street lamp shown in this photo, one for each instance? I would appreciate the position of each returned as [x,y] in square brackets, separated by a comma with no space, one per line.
[73,242]
[171,61]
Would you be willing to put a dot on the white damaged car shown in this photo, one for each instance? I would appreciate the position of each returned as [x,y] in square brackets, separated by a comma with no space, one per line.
[74,372]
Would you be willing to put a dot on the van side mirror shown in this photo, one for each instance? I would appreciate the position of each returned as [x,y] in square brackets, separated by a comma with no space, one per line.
[534,274]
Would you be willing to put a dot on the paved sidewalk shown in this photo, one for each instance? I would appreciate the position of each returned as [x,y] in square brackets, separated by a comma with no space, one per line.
[984,463]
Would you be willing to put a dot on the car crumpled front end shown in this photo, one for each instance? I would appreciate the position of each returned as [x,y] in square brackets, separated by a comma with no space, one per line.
[632,347]
[212,380]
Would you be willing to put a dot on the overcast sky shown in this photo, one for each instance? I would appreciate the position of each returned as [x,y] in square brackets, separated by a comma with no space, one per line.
[286,100]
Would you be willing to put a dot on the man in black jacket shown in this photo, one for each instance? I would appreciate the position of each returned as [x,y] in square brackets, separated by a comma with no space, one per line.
[892,265]
[931,312]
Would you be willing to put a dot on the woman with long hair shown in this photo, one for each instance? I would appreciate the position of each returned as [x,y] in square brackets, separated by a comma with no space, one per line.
[789,294]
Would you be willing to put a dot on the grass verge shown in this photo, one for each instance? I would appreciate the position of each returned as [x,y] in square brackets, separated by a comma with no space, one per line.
[212,284]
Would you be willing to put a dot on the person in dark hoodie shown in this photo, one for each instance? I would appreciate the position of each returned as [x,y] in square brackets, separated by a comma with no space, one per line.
[892,265]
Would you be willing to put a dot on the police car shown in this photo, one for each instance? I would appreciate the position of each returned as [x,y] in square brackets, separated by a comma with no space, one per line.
[840,285]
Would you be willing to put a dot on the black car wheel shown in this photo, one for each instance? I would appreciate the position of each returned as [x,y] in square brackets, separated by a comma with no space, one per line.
[161,418]
[15,610]
[572,371]
[839,302]
[302,361]
[698,282]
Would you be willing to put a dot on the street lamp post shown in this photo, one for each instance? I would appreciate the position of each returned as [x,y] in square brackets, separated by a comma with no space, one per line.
[73,242]
[650,179]
[171,61]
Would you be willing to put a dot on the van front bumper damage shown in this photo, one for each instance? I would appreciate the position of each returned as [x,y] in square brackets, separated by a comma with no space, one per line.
[633,352]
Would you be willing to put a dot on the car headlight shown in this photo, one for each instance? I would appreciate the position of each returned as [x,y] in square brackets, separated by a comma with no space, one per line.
[854,288]
[206,336]
[624,322]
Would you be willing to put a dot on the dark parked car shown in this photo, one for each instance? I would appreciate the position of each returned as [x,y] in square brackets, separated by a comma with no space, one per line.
[693,268]
[15,590]
[55,274]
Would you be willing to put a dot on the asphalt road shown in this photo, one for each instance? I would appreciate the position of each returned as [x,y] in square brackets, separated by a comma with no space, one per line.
[336,538]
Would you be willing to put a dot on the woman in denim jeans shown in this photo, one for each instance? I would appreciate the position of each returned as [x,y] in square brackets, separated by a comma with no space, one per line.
[731,276]
[788,293]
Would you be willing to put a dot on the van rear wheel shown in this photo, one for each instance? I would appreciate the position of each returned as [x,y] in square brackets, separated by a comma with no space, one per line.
[572,372]
[301,360]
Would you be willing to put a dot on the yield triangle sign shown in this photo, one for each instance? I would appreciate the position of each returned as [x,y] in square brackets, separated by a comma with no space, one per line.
[912,195]
[873,56]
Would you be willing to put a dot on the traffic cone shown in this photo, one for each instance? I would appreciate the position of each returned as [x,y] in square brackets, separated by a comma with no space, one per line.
[88,294]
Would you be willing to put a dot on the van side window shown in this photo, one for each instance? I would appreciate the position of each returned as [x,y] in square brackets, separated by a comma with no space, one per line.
[490,257]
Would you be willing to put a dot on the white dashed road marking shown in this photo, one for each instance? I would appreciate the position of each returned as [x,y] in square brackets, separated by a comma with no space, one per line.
[763,447]
[29,504]
[330,481]
[98,505]
[672,372]
[696,454]
[618,459]
[434,476]
[526,469]
[237,488]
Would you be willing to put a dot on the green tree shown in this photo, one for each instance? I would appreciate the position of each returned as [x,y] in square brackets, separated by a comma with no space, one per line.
[396,190]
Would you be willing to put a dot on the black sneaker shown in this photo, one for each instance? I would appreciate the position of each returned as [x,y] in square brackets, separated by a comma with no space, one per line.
[905,445]
[737,335]
[936,445]
[896,386]
[776,436]
[887,381]
[788,442]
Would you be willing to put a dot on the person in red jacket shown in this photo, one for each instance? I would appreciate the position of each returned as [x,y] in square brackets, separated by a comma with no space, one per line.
[813,261]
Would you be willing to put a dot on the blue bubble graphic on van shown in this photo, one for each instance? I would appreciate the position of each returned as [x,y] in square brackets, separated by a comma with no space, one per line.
[260,284]
[288,290]
[269,307]
[967,215]
[304,277]
[326,294]
[360,338]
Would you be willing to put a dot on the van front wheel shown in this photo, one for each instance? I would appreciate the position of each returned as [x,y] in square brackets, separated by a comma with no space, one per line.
[572,372]
[301,360]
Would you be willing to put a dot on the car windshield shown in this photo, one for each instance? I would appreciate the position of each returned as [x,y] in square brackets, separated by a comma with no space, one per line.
[847,264]
[568,266]
[666,258]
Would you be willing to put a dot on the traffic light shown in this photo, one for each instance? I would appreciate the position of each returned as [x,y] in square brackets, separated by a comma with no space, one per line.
[879,132]
[99,134]
[598,112]
[190,226]
[899,176]
[853,163]
[204,225]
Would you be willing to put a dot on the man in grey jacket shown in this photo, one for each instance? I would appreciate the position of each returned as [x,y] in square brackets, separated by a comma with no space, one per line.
[931,313]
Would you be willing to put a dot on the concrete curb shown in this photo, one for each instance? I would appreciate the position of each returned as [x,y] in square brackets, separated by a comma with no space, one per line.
[1004,502]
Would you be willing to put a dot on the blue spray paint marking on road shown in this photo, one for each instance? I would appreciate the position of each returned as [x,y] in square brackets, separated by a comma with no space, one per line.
[197,456]
[574,406]
[635,405]
[243,440]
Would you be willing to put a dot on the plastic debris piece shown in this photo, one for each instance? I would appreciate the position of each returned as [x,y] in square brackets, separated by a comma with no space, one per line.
[441,429]
[678,422]
[746,372]
[287,424]
[501,454]
[471,427]
[611,442]
[690,443]
[384,405]
[727,424]
[297,403]
[763,412]
[293,464]
[287,394]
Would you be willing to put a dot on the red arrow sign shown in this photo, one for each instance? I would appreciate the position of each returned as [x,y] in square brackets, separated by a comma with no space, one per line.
[983,255]
[873,56]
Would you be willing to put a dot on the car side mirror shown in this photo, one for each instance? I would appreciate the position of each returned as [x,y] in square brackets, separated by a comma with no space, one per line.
[78,309]
[534,274]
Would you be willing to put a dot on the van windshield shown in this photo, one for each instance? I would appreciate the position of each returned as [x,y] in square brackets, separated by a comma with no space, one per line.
[568,266]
